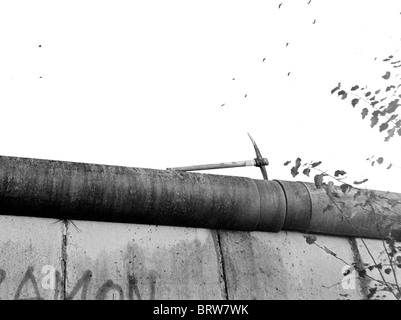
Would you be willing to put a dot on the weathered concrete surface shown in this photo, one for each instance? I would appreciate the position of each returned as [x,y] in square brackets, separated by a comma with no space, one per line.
[29,246]
[122,261]
[284,266]
[373,252]
[112,261]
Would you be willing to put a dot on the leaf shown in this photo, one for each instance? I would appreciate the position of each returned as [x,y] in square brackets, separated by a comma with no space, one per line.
[380,160]
[393,117]
[315,164]
[383,126]
[372,292]
[330,187]
[390,134]
[392,106]
[339,173]
[328,208]
[343,94]
[378,266]
[336,88]
[345,187]
[390,87]
[362,273]
[390,242]
[310,238]
[377,91]
[306,172]
[387,270]
[294,169]
[389,166]
[355,88]
[354,102]
[364,112]
[357,194]
[387,75]
[399,132]
[360,182]
[374,119]
[318,180]
[367,94]
[287,163]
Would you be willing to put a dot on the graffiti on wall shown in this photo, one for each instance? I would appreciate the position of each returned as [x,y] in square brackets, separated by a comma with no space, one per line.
[52,280]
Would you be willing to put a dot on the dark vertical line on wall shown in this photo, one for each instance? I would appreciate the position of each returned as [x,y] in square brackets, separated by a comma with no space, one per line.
[363,283]
[220,260]
[64,260]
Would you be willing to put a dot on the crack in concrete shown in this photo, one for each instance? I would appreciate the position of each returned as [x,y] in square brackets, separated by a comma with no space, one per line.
[64,260]
[363,283]
[221,262]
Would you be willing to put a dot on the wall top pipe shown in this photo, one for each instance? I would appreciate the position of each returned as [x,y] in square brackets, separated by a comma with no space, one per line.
[71,190]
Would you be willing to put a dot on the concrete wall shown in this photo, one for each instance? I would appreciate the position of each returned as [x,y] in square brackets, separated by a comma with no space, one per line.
[50,259]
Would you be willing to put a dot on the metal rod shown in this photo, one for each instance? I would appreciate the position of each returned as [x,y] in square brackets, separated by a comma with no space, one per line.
[223,165]
[259,161]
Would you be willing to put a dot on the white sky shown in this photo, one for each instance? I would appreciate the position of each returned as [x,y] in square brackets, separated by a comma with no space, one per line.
[141,83]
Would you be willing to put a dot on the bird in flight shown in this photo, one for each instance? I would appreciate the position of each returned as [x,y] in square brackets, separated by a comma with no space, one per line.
[223,104]
[279,6]
[288,74]
[245,95]
[309,1]
[233,78]
[263,59]
[287,44]
[314,21]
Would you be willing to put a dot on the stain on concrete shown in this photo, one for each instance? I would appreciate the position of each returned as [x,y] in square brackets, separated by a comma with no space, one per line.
[144,263]
[3,274]
[359,265]
[274,266]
